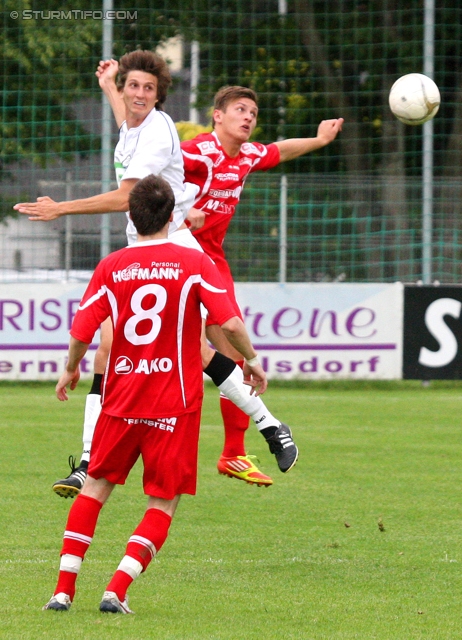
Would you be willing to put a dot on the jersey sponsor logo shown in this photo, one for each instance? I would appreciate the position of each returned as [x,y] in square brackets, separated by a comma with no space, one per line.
[123,365]
[226,193]
[158,365]
[249,148]
[166,264]
[208,147]
[247,161]
[226,176]
[120,169]
[164,424]
[219,207]
[134,272]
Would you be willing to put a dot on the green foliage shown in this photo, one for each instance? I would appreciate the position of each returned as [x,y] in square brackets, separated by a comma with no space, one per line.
[321,60]
[311,64]
[189,130]
[47,66]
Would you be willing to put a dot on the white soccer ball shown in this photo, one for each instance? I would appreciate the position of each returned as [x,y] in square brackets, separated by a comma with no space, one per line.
[414,99]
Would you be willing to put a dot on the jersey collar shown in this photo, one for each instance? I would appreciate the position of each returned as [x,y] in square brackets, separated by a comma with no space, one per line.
[148,243]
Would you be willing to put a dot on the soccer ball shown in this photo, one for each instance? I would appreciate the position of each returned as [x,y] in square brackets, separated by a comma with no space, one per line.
[414,99]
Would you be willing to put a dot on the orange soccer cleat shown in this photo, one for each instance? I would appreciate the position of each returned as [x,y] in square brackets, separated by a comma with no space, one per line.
[243,468]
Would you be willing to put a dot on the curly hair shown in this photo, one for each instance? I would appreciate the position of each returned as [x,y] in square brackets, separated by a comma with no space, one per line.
[149,62]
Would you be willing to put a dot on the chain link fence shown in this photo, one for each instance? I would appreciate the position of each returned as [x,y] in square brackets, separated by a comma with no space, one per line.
[354,209]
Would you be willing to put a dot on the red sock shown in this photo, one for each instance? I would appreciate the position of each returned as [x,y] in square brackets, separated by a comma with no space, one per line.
[143,545]
[119,584]
[236,423]
[80,527]
[66,584]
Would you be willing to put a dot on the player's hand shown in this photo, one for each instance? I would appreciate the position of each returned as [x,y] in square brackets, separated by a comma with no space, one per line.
[328,130]
[70,378]
[44,209]
[255,377]
[195,219]
[106,72]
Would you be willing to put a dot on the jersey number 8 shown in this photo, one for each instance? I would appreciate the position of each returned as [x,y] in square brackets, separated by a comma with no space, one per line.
[145,314]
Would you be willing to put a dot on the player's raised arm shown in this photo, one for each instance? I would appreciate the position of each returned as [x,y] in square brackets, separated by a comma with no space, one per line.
[295,147]
[46,209]
[106,73]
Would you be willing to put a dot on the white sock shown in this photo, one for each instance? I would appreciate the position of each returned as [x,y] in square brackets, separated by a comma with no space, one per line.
[239,393]
[92,411]
[131,566]
[70,563]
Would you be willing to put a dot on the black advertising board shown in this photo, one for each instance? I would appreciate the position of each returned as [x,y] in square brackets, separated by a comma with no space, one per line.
[432,333]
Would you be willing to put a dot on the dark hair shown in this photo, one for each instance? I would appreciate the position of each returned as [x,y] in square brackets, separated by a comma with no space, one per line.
[228,94]
[149,62]
[151,203]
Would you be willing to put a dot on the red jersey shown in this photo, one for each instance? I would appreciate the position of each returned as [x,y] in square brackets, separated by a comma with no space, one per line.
[152,291]
[221,180]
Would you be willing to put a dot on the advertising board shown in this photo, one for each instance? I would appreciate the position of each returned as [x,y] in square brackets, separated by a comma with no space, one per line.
[301,331]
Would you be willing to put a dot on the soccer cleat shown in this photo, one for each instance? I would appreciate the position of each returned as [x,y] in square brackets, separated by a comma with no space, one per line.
[283,447]
[71,486]
[111,604]
[242,468]
[58,602]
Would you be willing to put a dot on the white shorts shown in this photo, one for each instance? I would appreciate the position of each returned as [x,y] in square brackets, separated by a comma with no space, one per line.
[184,238]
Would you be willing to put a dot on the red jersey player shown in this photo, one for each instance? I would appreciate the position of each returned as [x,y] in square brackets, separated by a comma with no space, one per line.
[219,164]
[152,393]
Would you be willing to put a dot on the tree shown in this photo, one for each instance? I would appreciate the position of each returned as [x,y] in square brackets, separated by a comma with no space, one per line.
[43,74]
[319,60]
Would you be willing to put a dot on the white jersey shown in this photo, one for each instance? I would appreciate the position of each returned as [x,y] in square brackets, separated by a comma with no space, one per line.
[154,148]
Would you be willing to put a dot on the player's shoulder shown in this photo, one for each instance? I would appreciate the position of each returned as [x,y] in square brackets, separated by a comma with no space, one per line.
[114,258]
[188,258]
[183,251]
[156,121]
[204,144]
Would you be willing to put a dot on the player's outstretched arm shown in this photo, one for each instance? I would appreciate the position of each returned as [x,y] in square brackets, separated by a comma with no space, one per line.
[71,375]
[46,209]
[235,331]
[106,73]
[295,147]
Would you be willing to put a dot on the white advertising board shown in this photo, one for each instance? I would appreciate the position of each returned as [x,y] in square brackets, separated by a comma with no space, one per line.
[301,331]
[325,331]
[34,330]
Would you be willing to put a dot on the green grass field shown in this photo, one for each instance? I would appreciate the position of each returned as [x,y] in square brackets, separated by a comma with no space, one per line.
[361,540]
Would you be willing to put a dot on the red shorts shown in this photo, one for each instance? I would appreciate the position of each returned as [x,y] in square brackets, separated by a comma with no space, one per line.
[168,447]
[227,278]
